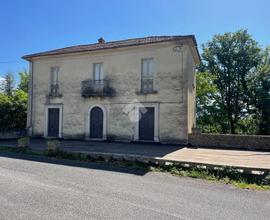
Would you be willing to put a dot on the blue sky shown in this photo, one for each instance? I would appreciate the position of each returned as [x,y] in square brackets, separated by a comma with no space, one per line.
[29,26]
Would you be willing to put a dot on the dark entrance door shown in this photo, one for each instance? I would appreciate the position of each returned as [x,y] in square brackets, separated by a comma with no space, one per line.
[96,123]
[53,122]
[146,123]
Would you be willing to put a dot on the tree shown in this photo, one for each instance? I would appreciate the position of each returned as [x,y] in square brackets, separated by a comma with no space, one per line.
[8,83]
[24,80]
[5,108]
[260,93]
[230,59]
[13,102]
[19,109]
[209,115]
[13,110]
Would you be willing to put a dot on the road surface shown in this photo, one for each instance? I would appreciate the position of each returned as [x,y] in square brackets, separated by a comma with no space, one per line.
[36,188]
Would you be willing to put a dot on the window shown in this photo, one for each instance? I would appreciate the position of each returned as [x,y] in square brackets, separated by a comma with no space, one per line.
[54,75]
[54,81]
[147,76]
[98,72]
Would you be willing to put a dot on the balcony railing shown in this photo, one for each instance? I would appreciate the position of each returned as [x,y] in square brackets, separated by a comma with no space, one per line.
[92,88]
[54,90]
[147,86]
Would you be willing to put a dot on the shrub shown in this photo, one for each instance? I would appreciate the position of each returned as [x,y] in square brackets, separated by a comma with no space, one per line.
[52,147]
[266,180]
[23,143]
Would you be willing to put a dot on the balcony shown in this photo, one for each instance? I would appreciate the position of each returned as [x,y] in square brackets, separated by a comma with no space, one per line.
[147,87]
[55,91]
[93,88]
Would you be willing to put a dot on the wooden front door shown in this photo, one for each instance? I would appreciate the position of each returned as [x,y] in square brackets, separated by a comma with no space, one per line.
[96,123]
[147,123]
[53,122]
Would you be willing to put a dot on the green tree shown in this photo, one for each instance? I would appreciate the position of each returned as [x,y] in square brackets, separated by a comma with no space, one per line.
[230,59]
[8,83]
[13,102]
[260,93]
[24,80]
[13,110]
[209,117]
[19,108]
[5,109]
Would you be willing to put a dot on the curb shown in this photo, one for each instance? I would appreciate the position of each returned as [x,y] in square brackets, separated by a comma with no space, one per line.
[161,161]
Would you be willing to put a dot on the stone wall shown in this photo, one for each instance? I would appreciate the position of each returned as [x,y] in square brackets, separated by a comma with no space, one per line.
[248,142]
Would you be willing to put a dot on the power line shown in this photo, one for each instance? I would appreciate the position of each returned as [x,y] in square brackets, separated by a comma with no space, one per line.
[15,61]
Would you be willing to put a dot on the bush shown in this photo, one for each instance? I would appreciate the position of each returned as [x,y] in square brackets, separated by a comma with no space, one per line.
[266,180]
[52,147]
[23,143]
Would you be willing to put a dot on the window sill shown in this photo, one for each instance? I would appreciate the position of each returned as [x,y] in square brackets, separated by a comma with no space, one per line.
[54,96]
[146,92]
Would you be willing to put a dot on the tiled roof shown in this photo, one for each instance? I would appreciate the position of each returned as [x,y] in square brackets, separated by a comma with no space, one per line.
[112,44]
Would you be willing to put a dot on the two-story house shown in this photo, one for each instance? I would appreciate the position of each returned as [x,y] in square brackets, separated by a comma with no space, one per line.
[139,89]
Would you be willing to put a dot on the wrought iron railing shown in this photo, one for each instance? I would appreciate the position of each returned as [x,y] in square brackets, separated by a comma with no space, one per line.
[97,88]
[54,90]
[147,86]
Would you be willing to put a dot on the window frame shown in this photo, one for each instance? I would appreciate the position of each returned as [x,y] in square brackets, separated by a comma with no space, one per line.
[101,71]
[52,75]
[148,75]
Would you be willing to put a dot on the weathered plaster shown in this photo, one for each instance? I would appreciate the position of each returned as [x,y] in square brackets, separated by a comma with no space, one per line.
[173,80]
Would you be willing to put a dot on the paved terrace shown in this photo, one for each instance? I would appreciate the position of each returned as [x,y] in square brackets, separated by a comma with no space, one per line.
[254,160]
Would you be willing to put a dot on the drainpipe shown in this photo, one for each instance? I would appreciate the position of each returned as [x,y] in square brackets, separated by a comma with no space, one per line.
[30,101]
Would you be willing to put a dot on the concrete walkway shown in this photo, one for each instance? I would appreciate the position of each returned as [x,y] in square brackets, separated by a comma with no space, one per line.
[253,160]
[235,158]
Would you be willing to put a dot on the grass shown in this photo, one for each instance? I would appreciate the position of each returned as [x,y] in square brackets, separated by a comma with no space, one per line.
[18,150]
[226,175]
[76,156]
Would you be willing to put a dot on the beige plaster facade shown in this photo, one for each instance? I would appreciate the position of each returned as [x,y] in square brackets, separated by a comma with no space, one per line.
[174,99]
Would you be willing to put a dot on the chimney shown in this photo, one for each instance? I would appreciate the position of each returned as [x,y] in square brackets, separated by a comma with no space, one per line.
[101,40]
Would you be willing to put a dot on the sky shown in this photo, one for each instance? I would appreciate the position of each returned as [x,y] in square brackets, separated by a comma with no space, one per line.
[30,26]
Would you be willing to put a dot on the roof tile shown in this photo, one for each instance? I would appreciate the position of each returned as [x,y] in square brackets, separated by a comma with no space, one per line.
[112,44]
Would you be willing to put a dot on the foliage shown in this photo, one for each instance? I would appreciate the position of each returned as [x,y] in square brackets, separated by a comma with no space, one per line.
[7,84]
[260,93]
[52,146]
[19,108]
[23,143]
[13,105]
[247,125]
[266,180]
[209,115]
[229,60]
[224,175]
[24,80]
[13,110]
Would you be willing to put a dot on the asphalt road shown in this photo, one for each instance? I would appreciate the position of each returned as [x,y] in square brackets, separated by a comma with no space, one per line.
[41,189]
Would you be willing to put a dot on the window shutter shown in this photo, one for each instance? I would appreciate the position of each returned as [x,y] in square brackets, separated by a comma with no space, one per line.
[147,75]
[54,75]
[98,71]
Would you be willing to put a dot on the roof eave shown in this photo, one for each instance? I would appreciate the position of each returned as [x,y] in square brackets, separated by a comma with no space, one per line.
[30,57]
